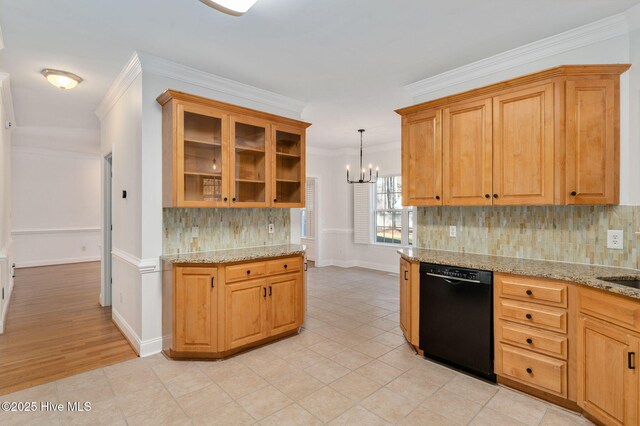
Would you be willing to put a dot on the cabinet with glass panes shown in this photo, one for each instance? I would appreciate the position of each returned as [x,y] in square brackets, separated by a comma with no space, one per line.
[221,155]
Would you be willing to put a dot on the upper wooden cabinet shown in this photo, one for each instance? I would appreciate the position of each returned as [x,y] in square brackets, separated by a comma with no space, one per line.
[220,155]
[546,138]
[422,159]
[467,153]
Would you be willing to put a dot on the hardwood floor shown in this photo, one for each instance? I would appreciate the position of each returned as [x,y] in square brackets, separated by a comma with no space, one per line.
[56,327]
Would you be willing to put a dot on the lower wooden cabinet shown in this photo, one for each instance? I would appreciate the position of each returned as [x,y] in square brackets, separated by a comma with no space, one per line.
[608,376]
[210,317]
[195,310]
[410,301]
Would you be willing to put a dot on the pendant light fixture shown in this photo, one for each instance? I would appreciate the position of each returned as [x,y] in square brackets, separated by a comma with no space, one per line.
[231,7]
[362,176]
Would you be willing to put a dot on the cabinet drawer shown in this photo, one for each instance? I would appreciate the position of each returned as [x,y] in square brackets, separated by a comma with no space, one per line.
[533,339]
[545,292]
[245,271]
[539,371]
[618,310]
[281,266]
[534,315]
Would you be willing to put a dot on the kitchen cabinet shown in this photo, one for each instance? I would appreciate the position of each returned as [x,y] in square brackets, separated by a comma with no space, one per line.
[215,310]
[422,159]
[195,309]
[467,153]
[548,138]
[410,301]
[216,154]
[593,151]
[523,147]
[608,351]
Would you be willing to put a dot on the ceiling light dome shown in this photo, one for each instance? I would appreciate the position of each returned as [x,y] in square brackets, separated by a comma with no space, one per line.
[231,7]
[61,79]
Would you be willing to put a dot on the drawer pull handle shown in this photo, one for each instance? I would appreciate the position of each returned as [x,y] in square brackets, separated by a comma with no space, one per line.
[529,293]
[270,291]
[264,292]
[529,370]
[530,341]
[630,359]
[528,316]
[213,282]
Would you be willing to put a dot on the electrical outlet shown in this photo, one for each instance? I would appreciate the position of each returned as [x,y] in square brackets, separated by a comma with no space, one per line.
[271,228]
[453,231]
[195,232]
[615,239]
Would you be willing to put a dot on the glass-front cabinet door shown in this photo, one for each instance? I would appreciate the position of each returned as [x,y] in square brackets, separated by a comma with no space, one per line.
[202,157]
[288,175]
[250,145]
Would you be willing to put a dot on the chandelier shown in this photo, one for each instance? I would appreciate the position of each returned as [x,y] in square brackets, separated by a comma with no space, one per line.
[361,178]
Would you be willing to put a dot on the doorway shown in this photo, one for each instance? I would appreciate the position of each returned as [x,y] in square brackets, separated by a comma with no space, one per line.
[107,228]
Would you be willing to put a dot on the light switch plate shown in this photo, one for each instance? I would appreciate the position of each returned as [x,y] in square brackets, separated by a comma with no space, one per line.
[271,228]
[453,231]
[195,232]
[615,239]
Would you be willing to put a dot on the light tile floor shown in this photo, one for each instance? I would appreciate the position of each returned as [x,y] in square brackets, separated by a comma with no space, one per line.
[349,366]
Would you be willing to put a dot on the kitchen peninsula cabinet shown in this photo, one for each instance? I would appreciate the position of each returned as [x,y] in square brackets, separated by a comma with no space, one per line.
[410,301]
[214,307]
[548,138]
[216,154]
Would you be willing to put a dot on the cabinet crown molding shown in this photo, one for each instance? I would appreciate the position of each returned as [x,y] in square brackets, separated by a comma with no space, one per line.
[555,72]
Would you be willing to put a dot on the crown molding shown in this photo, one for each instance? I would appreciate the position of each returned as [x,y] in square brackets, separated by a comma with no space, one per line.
[125,78]
[176,71]
[604,29]
[7,99]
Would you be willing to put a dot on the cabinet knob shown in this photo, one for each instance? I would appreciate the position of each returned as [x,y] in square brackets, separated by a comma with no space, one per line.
[248,271]
[529,370]
[275,200]
[529,341]
[529,293]
[233,199]
[285,266]
[528,316]
[495,195]
[487,196]
[574,193]
[225,198]
[437,197]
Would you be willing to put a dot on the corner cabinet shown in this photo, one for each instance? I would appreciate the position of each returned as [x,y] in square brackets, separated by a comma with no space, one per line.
[548,138]
[216,154]
[212,311]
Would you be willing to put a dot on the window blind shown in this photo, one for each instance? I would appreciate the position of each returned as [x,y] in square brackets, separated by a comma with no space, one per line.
[362,213]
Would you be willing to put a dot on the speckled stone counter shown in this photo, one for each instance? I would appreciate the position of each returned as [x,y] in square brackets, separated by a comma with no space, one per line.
[581,274]
[236,255]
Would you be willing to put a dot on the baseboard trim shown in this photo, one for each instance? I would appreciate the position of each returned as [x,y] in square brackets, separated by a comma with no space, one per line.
[142,348]
[51,262]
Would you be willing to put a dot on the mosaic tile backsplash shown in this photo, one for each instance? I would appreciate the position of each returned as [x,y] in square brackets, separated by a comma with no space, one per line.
[221,229]
[563,233]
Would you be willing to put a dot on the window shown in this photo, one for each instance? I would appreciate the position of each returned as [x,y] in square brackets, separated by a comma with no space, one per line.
[307,214]
[393,223]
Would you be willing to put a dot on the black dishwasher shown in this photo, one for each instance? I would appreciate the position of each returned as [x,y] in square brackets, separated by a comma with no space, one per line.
[456,317]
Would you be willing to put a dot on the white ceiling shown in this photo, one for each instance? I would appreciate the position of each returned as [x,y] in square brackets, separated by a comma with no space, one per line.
[347,59]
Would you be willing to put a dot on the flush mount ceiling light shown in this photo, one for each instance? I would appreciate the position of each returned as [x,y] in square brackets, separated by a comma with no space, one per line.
[61,79]
[231,7]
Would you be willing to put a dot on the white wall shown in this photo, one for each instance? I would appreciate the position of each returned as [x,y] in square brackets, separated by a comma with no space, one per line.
[6,251]
[56,196]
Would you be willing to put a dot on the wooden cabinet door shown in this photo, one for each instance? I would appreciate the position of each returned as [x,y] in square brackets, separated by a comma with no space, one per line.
[467,158]
[422,159]
[250,160]
[245,313]
[593,148]
[201,156]
[523,147]
[607,386]
[287,166]
[405,298]
[285,303]
[195,310]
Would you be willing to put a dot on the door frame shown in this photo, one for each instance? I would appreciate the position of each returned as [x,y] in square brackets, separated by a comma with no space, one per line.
[316,222]
[107,177]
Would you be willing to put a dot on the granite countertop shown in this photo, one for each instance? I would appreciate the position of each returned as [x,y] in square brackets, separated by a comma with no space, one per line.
[574,272]
[236,255]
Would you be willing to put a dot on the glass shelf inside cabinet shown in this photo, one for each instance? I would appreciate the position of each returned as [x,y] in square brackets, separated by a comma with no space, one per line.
[250,160]
[202,158]
[288,167]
